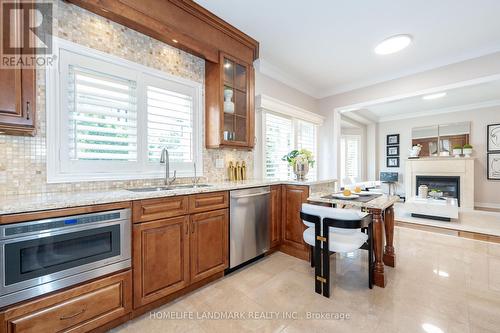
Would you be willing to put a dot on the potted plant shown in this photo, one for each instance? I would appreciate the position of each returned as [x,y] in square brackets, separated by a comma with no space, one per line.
[467,150]
[457,150]
[300,161]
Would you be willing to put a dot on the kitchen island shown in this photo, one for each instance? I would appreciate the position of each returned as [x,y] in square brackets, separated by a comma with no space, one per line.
[382,210]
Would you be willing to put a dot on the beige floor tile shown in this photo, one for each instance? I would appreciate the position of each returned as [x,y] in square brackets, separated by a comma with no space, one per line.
[440,284]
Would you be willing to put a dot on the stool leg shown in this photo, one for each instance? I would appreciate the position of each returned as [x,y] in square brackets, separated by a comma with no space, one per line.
[317,258]
[326,261]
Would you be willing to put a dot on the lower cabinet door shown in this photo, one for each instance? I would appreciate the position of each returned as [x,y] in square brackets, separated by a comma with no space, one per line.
[292,199]
[79,309]
[209,243]
[160,258]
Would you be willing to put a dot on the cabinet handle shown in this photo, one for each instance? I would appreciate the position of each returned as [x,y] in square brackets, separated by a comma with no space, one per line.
[72,316]
[27,110]
[187,228]
[192,227]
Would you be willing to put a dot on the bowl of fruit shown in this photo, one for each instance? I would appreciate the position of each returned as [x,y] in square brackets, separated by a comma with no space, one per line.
[346,194]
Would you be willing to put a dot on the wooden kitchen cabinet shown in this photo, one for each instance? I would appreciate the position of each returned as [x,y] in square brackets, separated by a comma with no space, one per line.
[293,242]
[209,243]
[160,258]
[227,126]
[17,99]
[275,225]
[79,309]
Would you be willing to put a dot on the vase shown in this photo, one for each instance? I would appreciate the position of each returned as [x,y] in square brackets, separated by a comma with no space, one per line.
[467,152]
[300,169]
[457,152]
[228,104]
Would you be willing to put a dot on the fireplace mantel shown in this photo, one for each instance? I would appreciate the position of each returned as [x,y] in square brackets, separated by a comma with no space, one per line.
[439,166]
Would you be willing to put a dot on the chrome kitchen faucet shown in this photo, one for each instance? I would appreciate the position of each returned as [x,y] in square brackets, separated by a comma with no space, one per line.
[165,159]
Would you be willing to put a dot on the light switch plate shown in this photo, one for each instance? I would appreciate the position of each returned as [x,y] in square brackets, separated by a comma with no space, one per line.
[219,163]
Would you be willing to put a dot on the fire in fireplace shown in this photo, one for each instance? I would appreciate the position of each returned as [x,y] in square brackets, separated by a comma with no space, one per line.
[450,186]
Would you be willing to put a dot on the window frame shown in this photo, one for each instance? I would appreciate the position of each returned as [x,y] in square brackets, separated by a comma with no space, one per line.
[358,138]
[294,138]
[57,115]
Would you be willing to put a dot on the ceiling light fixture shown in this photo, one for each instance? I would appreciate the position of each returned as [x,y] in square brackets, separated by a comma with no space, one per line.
[393,44]
[434,96]
[175,41]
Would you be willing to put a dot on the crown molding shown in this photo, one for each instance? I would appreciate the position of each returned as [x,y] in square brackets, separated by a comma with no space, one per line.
[264,102]
[274,72]
[466,107]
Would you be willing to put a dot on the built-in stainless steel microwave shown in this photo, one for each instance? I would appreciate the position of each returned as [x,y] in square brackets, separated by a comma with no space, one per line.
[38,257]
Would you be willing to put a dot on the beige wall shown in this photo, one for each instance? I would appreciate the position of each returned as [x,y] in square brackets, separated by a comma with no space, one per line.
[486,191]
[276,89]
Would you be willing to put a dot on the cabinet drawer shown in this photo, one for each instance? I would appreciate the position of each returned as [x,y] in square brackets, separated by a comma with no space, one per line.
[76,310]
[208,201]
[155,209]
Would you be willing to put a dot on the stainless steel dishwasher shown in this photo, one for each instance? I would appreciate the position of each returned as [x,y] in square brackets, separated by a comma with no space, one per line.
[249,224]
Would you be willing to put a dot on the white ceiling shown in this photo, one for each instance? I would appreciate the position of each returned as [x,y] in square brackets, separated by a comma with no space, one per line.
[458,99]
[324,47]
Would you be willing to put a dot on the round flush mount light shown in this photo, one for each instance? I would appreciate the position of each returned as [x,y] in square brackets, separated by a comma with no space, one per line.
[393,44]
[434,96]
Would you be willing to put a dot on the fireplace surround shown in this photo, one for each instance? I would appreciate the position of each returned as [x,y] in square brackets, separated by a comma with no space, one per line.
[463,168]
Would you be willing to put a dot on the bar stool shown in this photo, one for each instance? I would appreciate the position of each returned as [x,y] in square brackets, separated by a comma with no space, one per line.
[348,230]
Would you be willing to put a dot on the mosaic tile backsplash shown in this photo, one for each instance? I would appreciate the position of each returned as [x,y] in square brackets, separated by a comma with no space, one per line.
[23,159]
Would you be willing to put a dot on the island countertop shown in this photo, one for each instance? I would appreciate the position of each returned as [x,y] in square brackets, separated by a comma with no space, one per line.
[56,200]
[382,202]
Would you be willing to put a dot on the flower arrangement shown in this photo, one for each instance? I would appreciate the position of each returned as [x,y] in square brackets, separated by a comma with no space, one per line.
[301,156]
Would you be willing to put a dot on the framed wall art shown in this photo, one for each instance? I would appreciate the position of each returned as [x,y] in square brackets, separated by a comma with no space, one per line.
[393,139]
[392,150]
[493,137]
[393,162]
[494,166]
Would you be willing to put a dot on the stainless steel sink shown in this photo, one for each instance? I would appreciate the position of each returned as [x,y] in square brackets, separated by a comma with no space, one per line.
[167,188]
[151,189]
[192,186]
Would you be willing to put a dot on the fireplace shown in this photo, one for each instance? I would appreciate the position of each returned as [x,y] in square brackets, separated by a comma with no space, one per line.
[449,185]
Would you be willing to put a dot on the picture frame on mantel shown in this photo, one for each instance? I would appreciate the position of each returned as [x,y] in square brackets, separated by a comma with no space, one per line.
[493,136]
[393,162]
[392,139]
[493,166]
[392,151]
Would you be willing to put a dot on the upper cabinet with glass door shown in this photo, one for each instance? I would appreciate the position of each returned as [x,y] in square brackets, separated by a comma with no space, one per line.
[230,104]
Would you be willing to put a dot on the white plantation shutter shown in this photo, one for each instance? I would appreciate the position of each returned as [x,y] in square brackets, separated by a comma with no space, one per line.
[170,125]
[109,119]
[278,142]
[306,139]
[102,116]
[350,156]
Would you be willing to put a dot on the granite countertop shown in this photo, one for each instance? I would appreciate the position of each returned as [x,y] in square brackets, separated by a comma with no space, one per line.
[56,200]
[382,202]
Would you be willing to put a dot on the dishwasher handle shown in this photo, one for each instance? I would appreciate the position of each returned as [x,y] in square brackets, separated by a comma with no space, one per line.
[250,195]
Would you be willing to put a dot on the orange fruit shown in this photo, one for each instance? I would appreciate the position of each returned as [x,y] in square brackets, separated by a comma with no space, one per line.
[357,189]
[347,192]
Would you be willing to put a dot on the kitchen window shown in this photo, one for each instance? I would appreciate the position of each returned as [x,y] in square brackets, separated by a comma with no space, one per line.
[281,135]
[350,155]
[109,118]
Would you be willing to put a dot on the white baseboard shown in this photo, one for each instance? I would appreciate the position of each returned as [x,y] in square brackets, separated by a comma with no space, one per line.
[487,205]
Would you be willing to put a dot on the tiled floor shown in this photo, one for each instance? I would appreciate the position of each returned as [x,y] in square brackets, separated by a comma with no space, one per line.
[441,284]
